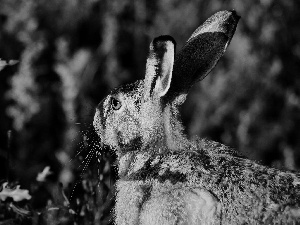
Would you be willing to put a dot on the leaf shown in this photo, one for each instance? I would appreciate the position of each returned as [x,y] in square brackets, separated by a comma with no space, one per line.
[20,211]
[3,63]
[12,62]
[41,177]
[16,194]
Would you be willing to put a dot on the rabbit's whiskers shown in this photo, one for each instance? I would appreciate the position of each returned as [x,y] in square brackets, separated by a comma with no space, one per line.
[91,146]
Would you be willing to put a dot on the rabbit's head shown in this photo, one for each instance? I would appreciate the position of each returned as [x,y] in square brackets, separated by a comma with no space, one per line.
[144,114]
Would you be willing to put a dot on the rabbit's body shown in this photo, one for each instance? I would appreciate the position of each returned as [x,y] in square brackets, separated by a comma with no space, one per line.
[207,185]
[164,178]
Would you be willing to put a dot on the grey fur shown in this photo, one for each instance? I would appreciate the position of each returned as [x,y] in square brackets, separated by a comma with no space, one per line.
[164,178]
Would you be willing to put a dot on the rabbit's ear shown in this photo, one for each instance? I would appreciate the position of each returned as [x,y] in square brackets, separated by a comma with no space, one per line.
[159,66]
[202,51]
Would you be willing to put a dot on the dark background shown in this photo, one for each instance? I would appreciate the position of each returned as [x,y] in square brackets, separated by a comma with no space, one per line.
[72,52]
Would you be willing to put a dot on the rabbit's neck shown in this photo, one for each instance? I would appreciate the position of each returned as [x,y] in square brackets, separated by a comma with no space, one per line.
[166,132]
[174,138]
[131,162]
[169,138]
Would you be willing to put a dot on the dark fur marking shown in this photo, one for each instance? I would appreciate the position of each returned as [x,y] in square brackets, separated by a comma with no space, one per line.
[152,172]
[137,103]
[173,177]
[147,193]
[283,191]
[203,158]
[146,172]
[102,117]
[133,145]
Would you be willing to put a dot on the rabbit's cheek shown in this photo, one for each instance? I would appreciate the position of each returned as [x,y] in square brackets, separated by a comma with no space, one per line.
[127,131]
[110,137]
[151,119]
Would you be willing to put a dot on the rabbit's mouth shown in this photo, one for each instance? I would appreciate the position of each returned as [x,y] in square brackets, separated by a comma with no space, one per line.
[117,140]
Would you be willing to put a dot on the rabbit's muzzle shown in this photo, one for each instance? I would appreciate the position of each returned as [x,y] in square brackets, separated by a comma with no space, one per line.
[99,124]
[119,131]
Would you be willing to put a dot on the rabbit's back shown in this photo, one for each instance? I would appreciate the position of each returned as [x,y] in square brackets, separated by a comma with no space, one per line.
[250,192]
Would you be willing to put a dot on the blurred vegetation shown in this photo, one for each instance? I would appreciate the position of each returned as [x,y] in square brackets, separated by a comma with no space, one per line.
[72,52]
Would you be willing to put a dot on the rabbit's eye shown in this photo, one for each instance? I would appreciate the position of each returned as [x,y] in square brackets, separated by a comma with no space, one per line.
[116,104]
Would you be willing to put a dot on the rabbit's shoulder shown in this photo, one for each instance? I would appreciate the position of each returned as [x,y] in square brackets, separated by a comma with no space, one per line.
[164,188]
[205,177]
[165,203]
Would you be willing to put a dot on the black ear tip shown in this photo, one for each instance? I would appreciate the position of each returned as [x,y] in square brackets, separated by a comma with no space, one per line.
[234,14]
[164,38]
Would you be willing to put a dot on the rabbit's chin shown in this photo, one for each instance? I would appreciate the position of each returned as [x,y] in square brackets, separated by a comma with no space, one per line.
[121,145]
[130,146]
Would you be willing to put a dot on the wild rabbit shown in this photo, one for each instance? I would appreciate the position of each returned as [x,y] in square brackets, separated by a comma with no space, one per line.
[164,178]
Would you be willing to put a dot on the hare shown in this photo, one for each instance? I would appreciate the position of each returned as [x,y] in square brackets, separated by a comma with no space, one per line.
[164,178]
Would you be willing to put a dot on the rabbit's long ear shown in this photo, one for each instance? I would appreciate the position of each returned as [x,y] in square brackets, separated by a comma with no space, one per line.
[202,51]
[159,66]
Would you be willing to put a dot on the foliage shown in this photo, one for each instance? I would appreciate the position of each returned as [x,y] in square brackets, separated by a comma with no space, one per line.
[71,53]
